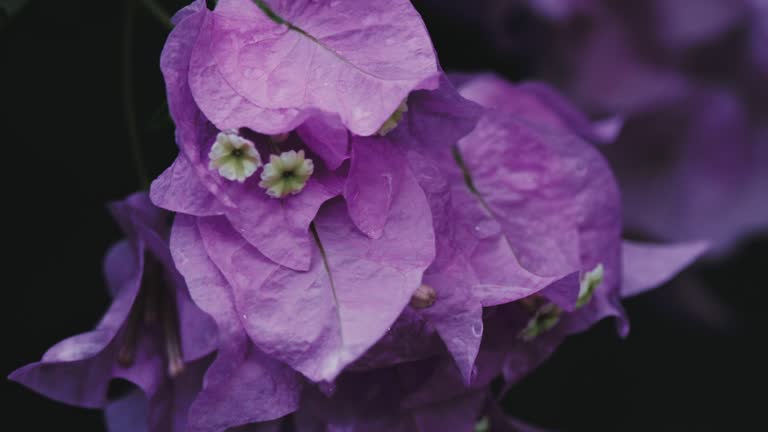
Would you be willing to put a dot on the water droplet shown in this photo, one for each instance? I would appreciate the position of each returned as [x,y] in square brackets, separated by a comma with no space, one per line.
[477,329]
[487,228]
[359,113]
[327,388]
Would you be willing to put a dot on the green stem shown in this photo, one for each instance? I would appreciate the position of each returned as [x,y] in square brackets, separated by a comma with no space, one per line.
[468,179]
[280,20]
[158,13]
[270,13]
[129,110]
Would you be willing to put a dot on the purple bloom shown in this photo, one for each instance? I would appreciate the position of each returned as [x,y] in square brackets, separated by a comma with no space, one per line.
[355,266]
[569,183]
[361,244]
[520,168]
[326,76]
[690,158]
[702,181]
[151,336]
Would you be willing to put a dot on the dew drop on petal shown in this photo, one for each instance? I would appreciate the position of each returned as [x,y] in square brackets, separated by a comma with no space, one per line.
[477,329]
[487,228]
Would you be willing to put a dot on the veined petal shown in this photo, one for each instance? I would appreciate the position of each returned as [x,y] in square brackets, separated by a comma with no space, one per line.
[330,56]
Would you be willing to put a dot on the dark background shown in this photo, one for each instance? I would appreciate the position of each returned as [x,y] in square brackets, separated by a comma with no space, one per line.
[692,361]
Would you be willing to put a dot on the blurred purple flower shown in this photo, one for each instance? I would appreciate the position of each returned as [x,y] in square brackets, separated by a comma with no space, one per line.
[152,336]
[155,337]
[688,79]
[691,158]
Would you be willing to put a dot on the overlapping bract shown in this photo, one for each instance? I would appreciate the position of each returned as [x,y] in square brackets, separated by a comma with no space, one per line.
[490,195]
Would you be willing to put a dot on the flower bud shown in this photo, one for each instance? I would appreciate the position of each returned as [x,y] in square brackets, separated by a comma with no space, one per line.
[424,297]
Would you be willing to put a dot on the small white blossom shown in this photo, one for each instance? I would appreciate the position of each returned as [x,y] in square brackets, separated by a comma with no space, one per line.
[545,318]
[589,283]
[394,119]
[235,157]
[286,174]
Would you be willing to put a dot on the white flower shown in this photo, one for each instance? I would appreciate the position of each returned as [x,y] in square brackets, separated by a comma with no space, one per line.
[286,174]
[394,119]
[235,157]
[589,283]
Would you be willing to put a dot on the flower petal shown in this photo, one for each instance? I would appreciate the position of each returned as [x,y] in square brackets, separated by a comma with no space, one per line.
[242,385]
[334,56]
[647,266]
[354,290]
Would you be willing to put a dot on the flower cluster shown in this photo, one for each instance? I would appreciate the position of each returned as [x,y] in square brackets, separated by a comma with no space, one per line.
[412,237]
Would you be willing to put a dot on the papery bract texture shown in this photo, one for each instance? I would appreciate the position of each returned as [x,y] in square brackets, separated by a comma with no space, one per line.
[321,320]
[330,56]
[243,385]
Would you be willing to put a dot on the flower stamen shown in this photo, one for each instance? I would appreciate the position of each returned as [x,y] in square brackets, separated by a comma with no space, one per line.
[545,318]
[589,283]
[394,119]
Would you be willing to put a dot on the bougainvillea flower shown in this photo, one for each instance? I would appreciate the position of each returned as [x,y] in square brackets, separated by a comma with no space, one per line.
[550,194]
[390,217]
[349,313]
[475,266]
[358,243]
[348,75]
[155,337]
[487,257]
[191,187]
[152,335]
[589,203]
